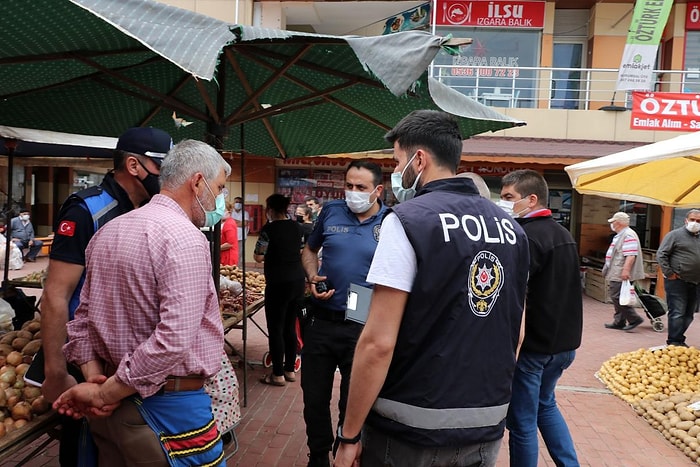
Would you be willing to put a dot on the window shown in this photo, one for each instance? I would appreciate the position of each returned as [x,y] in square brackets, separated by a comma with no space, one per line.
[489,68]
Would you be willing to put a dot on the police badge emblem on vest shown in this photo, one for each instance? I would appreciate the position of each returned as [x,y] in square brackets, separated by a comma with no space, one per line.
[485,282]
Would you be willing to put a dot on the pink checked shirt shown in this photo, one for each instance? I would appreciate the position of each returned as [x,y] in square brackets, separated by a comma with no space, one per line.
[148,308]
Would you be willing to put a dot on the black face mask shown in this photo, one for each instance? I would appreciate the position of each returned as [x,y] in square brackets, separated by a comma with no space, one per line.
[300,219]
[150,183]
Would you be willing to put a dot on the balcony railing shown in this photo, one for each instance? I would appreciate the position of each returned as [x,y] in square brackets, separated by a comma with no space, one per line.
[554,88]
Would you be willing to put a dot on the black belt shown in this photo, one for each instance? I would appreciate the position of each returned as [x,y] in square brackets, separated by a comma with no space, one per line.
[327,315]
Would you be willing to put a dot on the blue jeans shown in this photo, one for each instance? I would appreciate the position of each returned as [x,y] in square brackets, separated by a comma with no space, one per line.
[533,406]
[682,299]
[380,450]
[34,250]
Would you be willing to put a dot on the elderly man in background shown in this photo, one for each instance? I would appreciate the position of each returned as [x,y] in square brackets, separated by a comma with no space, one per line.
[679,260]
[623,261]
[148,332]
[22,232]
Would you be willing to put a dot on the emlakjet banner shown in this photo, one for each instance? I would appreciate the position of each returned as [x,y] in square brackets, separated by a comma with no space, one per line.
[665,111]
[639,56]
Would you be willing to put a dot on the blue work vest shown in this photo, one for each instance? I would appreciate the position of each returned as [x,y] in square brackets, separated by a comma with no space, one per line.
[103,208]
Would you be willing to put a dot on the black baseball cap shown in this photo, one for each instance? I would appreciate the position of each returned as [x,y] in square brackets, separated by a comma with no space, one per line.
[150,142]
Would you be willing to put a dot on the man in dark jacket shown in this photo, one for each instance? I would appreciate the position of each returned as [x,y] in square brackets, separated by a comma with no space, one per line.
[679,259]
[552,328]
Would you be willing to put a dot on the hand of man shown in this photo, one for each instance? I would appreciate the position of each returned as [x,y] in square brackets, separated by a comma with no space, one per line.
[52,387]
[323,295]
[84,400]
[348,455]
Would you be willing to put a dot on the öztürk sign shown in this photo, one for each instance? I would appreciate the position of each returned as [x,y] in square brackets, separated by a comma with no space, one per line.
[665,111]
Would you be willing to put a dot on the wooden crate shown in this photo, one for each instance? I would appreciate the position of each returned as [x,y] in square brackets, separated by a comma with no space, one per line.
[596,285]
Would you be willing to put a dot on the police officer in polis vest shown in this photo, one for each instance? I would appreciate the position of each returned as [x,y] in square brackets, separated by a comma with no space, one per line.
[433,366]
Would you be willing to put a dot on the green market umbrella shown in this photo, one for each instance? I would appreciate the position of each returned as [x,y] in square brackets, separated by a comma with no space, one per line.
[96,67]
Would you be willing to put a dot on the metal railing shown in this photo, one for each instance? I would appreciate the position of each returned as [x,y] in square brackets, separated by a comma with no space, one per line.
[554,88]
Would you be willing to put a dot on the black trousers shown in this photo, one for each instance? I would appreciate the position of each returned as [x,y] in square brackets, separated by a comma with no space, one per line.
[327,345]
[281,305]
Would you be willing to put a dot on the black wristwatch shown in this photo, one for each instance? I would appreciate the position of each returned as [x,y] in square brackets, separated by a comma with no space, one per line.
[339,437]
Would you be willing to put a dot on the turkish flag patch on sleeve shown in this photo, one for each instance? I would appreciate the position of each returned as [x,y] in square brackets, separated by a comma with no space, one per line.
[66,228]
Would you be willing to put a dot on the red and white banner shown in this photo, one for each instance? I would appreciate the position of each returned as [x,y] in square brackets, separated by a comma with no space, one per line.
[490,14]
[665,111]
[692,16]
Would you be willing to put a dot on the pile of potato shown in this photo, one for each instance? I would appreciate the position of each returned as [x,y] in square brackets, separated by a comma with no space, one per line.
[36,276]
[661,384]
[634,375]
[254,281]
[673,417]
[19,403]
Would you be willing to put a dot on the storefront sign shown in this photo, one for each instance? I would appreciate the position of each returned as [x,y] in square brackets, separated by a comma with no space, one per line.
[692,16]
[638,58]
[665,111]
[491,14]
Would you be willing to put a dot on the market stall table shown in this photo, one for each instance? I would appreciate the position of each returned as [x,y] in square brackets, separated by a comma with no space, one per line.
[17,440]
[234,320]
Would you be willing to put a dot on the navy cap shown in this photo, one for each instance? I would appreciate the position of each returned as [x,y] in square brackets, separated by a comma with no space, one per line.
[150,142]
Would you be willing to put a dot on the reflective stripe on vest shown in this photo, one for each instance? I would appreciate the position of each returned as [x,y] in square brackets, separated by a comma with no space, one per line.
[97,207]
[440,419]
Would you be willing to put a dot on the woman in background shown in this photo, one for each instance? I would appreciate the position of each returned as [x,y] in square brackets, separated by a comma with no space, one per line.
[303,215]
[229,238]
[279,247]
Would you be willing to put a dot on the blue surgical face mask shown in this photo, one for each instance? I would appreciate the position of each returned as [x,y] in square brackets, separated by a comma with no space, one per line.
[404,194]
[212,217]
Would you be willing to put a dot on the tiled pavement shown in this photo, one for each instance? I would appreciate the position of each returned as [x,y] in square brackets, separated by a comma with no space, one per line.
[605,429]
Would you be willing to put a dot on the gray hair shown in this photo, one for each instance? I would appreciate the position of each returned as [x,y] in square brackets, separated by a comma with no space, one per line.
[692,211]
[187,158]
[479,182]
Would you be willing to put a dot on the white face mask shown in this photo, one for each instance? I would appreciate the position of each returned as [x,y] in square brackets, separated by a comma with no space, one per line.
[404,194]
[237,206]
[358,201]
[693,226]
[508,206]
[24,217]
[612,227]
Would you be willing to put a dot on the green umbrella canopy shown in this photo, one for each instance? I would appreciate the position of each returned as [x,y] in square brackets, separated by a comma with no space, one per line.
[97,67]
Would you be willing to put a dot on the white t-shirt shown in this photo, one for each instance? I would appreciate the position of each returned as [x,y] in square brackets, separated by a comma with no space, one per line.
[237,216]
[394,264]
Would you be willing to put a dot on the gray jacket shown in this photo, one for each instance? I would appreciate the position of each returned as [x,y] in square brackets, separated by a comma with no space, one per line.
[680,253]
[20,230]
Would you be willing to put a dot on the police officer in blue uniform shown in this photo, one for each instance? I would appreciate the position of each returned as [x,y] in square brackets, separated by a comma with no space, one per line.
[132,182]
[348,232]
[434,364]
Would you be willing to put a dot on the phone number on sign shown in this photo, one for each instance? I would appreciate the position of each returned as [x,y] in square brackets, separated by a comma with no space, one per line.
[495,72]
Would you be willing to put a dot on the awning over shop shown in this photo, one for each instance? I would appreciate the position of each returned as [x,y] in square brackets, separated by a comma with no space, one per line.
[521,151]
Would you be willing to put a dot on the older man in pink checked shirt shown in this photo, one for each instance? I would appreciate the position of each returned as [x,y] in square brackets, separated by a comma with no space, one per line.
[148,331]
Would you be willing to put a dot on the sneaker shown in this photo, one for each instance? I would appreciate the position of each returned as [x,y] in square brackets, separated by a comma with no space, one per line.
[614,326]
[319,459]
[631,326]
